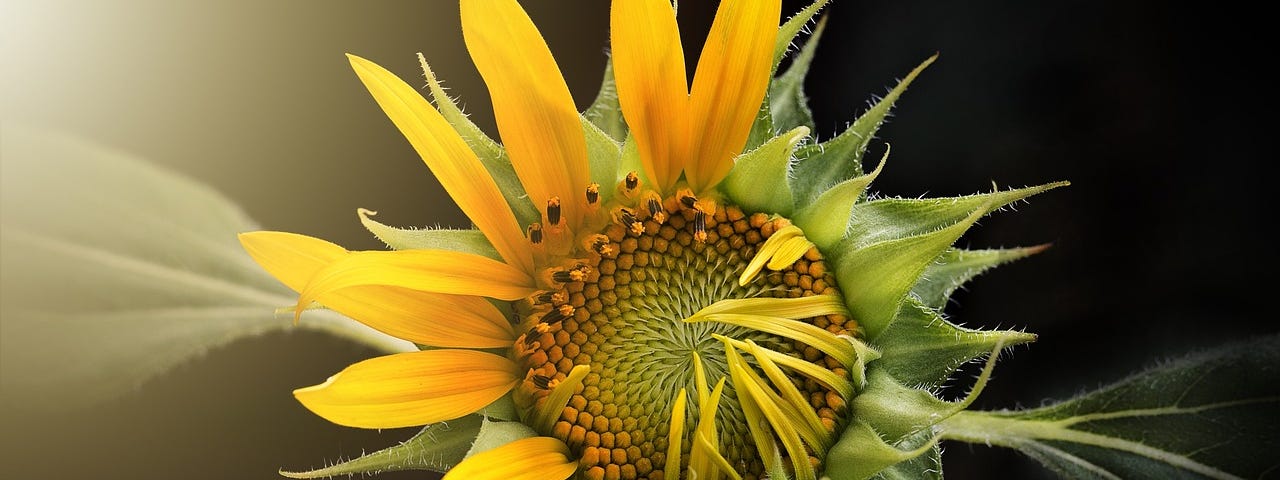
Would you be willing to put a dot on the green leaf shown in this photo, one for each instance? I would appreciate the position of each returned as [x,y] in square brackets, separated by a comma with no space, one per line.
[114,271]
[438,447]
[758,181]
[469,241]
[840,158]
[603,155]
[791,28]
[922,348]
[605,112]
[762,129]
[1209,415]
[956,267]
[490,153]
[826,218]
[787,101]
[896,218]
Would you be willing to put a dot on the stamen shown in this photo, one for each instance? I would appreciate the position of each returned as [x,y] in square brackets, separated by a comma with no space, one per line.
[542,381]
[555,297]
[599,244]
[628,219]
[553,211]
[700,227]
[593,194]
[535,233]
[687,198]
[654,203]
[632,182]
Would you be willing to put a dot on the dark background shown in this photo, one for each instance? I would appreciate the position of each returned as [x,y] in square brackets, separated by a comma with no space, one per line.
[1158,115]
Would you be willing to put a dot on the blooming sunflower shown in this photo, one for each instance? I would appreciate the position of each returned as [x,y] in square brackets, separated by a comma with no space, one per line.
[661,287]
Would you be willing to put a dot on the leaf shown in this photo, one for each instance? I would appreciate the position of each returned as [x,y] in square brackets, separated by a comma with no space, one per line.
[468,241]
[1208,415]
[605,112]
[957,266]
[438,447]
[758,181]
[787,101]
[490,153]
[862,453]
[924,467]
[922,348]
[840,158]
[114,271]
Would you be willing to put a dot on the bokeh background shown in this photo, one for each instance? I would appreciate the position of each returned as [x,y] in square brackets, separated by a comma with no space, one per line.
[1160,116]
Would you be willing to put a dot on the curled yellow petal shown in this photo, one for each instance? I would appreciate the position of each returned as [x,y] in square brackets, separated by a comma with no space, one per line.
[436,271]
[533,458]
[409,389]
[425,318]
[450,159]
[648,66]
[536,116]
[732,77]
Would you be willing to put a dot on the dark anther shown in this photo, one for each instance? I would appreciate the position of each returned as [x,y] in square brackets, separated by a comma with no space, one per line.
[633,181]
[542,381]
[593,193]
[688,201]
[553,317]
[535,233]
[655,207]
[553,211]
[700,226]
[628,218]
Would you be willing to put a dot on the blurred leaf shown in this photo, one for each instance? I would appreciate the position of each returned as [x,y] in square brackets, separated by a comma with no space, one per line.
[787,102]
[468,241]
[114,271]
[438,447]
[1209,415]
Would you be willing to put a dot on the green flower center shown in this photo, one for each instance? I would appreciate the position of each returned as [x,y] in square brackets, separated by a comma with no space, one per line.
[622,313]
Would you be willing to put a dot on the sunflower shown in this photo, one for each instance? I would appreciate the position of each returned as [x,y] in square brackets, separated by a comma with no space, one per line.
[664,286]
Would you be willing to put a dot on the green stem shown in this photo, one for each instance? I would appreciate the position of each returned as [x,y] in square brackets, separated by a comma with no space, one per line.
[993,428]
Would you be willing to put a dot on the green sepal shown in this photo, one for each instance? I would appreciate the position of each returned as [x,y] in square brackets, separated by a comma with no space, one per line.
[894,409]
[787,101]
[466,241]
[895,218]
[438,447]
[840,158]
[490,153]
[862,453]
[496,434]
[791,28]
[924,467]
[1208,415]
[957,266]
[922,348]
[762,129]
[877,278]
[605,112]
[501,409]
[758,181]
[603,156]
[825,219]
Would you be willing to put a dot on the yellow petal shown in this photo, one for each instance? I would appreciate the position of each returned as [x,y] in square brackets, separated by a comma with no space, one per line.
[425,318]
[648,66]
[536,116]
[437,271]
[732,76]
[409,389]
[533,458]
[450,159]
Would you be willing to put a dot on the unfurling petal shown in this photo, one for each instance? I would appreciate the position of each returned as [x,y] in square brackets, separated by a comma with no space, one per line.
[407,389]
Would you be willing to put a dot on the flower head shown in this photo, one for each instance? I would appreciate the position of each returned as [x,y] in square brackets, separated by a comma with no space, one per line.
[686,292]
